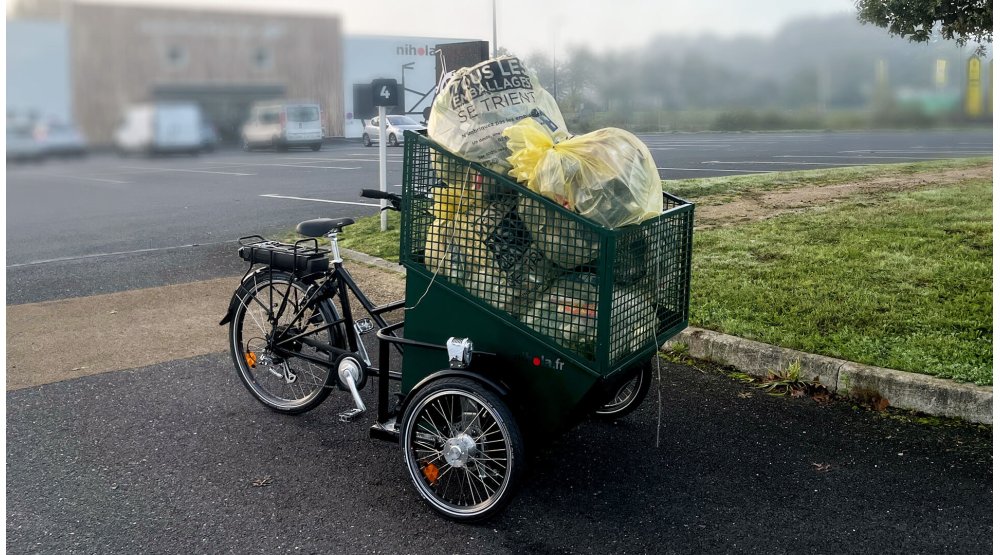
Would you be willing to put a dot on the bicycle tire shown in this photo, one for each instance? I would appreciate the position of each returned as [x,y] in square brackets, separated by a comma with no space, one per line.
[269,378]
[628,397]
[442,407]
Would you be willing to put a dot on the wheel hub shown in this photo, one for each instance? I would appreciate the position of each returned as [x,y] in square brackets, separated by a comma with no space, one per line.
[458,449]
[280,333]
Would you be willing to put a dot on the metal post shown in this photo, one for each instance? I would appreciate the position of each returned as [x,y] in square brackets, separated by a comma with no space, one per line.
[494,28]
[382,159]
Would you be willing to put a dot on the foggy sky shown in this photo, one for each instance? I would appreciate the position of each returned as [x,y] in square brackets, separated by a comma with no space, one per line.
[526,26]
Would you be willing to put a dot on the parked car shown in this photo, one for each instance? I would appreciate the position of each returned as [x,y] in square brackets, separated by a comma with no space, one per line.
[282,125]
[60,139]
[22,145]
[394,127]
[164,127]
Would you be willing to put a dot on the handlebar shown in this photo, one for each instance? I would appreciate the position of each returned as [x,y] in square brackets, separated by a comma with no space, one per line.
[393,198]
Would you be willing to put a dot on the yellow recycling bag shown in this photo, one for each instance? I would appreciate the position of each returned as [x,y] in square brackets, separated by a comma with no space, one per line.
[607,176]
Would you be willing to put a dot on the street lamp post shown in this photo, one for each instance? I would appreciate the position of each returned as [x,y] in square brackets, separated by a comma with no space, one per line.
[402,78]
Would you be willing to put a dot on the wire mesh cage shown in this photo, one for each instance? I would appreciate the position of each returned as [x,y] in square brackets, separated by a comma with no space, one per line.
[602,297]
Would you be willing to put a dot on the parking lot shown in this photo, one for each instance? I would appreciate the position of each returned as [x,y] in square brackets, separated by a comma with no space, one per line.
[146,212]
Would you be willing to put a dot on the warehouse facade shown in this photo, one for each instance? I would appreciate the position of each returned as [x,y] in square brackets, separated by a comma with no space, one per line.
[110,56]
[224,61]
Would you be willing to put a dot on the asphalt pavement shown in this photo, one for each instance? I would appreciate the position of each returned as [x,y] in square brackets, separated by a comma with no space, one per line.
[165,460]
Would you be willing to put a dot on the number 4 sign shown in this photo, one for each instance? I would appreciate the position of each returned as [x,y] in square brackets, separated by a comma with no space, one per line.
[385,92]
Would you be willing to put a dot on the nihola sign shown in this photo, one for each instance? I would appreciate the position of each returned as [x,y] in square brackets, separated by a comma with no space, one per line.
[415,50]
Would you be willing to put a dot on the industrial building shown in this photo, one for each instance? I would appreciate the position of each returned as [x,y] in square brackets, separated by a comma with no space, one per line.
[91,60]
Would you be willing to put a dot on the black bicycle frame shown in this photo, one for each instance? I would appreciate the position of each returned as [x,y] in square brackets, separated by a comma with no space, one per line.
[334,283]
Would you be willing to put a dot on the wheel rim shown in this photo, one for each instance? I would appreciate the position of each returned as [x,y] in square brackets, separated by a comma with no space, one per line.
[625,394]
[283,383]
[392,140]
[458,452]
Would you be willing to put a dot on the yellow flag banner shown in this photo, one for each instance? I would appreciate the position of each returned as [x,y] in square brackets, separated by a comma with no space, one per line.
[974,89]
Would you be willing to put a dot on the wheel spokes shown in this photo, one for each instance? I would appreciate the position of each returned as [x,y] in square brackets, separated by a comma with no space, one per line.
[474,477]
[298,380]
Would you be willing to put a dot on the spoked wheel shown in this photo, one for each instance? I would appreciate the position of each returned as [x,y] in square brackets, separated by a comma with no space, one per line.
[463,449]
[281,381]
[628,397]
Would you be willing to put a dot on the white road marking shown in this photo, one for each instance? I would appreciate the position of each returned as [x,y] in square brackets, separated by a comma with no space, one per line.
[331,159]
[775,163]
[314,167]
[242,164]
[322,200]
[713,170]
[912,152]
[117,253]
[856,157]
[100,179]
[183,170]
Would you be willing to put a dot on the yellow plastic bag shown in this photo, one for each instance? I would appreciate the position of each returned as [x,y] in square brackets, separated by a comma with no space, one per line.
[442,253]
[607,176]
[460,190]
[450,201]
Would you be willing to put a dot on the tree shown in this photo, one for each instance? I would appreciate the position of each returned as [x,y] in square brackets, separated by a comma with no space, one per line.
[959,20]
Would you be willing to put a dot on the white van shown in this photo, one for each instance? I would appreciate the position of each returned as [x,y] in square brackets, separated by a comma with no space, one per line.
[160,128]
[282,125]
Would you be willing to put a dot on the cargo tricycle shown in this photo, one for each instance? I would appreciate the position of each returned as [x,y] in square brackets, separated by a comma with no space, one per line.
[520,318]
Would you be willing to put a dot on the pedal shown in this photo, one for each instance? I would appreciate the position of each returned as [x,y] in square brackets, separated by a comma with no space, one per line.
[349,370]
[350,415]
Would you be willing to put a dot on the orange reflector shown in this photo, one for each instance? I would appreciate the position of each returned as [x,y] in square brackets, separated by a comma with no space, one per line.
[251,359]
[431,473]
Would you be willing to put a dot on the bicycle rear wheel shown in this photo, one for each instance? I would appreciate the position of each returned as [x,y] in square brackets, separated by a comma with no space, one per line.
[628,397]
[283,382]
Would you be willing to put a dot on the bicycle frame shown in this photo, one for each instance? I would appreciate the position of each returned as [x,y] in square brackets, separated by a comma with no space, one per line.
[333,283]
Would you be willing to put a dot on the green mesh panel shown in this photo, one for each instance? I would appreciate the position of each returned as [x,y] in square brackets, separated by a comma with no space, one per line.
[604,296]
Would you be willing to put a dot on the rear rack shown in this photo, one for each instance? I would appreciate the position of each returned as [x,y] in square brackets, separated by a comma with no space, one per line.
[302,257]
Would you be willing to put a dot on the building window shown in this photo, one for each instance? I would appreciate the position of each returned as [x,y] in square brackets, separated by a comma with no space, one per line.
[176,56]
[262,58]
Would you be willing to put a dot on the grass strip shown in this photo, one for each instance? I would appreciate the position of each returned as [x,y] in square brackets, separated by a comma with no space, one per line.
[905,283]
[731,186]
[364,235]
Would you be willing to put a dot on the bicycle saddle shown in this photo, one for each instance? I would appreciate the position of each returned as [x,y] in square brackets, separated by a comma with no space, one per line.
[321,226]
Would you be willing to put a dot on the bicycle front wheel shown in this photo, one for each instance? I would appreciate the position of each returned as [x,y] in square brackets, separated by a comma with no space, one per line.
[463,449]
[284,382]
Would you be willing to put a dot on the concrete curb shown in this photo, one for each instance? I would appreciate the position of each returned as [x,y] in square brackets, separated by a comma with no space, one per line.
[370,260]
[926,394]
